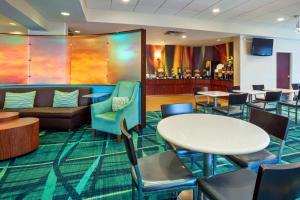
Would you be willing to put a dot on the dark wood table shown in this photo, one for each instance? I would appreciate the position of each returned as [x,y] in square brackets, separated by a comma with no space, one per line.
[18,136]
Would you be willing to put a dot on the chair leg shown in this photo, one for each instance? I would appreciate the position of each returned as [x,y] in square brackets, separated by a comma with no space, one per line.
[141,195]
[192,161]
[133,188]
[94,132]
[288,112]
[119,138]
[296,117]
[195,194]
[215,161]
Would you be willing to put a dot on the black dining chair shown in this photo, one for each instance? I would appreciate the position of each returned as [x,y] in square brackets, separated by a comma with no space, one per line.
[203,104]
[276,126]
[258,87]
[231,89]
[235,107]
[161,172]
[295,86]
[272,182]
[292,104]
[270,103]
[168,110]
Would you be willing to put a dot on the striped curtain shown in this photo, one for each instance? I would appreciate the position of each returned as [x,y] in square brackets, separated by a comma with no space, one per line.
[169,58]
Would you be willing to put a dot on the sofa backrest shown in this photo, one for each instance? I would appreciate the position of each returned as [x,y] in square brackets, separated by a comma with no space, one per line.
[44,96]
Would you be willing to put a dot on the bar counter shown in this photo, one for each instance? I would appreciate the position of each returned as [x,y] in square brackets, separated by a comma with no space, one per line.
[183,86]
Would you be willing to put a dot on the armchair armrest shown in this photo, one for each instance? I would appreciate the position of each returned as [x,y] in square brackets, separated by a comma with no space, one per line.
[101,107]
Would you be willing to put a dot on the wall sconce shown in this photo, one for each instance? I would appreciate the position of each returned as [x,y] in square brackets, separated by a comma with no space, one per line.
[157,55]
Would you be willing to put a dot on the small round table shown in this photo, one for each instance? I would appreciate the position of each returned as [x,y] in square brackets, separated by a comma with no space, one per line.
[18,136]
[213,134]
[8,116]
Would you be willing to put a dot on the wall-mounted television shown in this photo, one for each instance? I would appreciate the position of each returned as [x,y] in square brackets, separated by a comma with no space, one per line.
[262,47]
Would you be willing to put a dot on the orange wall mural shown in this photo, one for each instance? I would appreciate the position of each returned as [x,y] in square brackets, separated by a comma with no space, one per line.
[99,59]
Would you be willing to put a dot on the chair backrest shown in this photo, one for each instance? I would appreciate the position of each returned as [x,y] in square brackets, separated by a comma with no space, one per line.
[298,96]
[126,89]
[278,182]
[258,87]
[168,110]
[231,88]
[273,124]
[200,89]
[128,143]
[296,86]
[237,99]
[273,96]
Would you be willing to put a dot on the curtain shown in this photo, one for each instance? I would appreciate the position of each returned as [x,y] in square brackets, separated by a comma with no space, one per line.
[169,58]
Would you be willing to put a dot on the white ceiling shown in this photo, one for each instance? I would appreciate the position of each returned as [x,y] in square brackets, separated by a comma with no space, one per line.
[156,35]
[195,17]
[5,27]
[243,11]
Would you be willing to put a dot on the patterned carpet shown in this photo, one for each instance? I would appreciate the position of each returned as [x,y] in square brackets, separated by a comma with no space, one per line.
[77,165]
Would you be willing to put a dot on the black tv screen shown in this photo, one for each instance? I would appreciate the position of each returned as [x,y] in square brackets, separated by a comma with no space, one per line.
[262,47]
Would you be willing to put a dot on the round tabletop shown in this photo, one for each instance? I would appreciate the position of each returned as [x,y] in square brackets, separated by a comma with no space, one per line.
[7,116]
[214,134]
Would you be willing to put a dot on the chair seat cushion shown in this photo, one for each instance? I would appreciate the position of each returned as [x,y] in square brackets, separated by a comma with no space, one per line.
[108,116]
[289,103]
[260,105]
[236,185]
[49,112]
[163,171]
[254,160]
[232,110]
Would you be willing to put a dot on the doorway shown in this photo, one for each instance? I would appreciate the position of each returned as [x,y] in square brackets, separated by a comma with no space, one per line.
[283,70]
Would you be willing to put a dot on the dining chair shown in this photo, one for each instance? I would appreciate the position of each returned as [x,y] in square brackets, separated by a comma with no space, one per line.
[231,89]
[292,104]
[258,87]
[168,110]
[295,86]
[235,107]
[270,103]
[203,104]
[276,126]
[157,173]
[276,182]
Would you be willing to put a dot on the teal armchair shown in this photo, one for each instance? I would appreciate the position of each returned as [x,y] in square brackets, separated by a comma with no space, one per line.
[105,120]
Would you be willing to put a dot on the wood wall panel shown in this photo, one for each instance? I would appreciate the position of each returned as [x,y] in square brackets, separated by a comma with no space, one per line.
[176,86]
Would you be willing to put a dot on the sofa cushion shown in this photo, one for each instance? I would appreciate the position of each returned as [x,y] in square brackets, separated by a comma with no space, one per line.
[19,100]
[49,112]
[65,99]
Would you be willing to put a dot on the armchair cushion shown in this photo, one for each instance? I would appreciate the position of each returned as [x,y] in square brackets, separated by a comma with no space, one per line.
[108,116]
[119,102]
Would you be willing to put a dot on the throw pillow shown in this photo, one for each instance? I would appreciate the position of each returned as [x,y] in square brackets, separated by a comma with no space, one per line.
[65,99]
[119,102]
[19,100]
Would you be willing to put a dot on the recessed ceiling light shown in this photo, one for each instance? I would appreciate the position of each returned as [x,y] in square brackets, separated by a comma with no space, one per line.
[216,10]
[125,1]
[218,40]
[77,31]
[65,13]
[183,36]
[12,23]
[16,32]
[280,19]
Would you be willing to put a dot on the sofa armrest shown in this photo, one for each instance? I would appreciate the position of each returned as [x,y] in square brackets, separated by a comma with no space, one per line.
[101,107]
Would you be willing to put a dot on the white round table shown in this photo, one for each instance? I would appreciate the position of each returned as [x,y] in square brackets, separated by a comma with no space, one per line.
[213,134]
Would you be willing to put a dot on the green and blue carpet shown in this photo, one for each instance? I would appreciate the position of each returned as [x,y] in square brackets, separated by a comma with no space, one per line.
[78,165]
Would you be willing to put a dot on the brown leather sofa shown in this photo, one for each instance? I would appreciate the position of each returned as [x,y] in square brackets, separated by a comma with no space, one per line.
[52,118]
